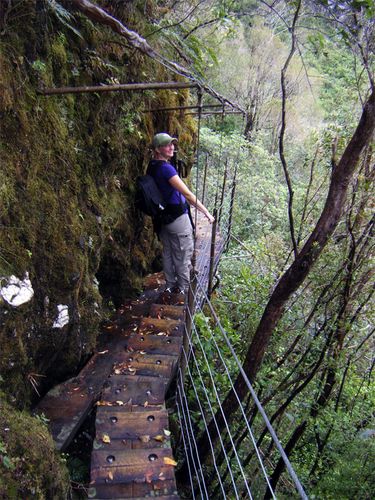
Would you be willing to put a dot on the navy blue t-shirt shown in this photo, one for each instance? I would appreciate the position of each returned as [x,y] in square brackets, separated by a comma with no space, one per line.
[162,171]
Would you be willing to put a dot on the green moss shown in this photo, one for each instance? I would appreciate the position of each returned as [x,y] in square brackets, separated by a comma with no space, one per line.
[67,182]
[29,464]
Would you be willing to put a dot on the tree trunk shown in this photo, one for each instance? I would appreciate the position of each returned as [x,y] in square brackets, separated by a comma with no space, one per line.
[325,227]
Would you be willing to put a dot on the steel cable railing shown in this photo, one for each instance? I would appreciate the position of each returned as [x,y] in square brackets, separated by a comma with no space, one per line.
[203,379]
[195,340]
[217,398]
[190,455]
[207,412]
[234,465]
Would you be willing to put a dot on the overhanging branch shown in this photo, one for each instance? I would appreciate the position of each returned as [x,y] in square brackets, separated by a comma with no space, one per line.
[97,14]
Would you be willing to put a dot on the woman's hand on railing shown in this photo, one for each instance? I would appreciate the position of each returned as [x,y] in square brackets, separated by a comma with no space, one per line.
[210,217]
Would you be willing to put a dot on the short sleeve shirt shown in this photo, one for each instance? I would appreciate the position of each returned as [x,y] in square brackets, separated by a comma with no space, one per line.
[162,171]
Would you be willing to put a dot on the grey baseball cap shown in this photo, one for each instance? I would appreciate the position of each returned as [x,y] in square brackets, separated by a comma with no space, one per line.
[162,139]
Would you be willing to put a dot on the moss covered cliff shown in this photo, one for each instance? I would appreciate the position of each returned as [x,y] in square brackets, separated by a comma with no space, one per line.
[70,235]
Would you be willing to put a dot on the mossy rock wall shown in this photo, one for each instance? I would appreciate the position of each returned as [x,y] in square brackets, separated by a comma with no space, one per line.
[67,182]
[30,467]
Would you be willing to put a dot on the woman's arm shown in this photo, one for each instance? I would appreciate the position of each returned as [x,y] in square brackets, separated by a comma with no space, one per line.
[179,184]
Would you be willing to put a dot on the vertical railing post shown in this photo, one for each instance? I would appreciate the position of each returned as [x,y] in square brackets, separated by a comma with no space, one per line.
[223,190]
[231,212]
[204,179]
[212,255]
[186,344]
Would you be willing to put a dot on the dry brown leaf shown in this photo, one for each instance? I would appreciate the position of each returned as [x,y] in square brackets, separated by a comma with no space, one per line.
[145,404]
[159,437]
[104,403]
[120,403]
[110,475]
[106,438]
[170,461]
[145,438]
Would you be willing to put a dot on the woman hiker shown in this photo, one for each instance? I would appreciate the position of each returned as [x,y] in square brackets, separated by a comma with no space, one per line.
[176,232]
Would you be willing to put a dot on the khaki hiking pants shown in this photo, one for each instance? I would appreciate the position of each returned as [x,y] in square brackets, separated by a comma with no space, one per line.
[178,246]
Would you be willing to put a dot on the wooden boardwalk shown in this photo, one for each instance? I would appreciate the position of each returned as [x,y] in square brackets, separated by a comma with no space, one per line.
[128,379]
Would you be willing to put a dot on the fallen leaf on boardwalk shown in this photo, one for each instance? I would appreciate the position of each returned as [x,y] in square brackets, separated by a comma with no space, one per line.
[110,475]
[145,438]
[159,437]
[106,438]
[103,352]
[142,352]
[131,369]
[120,403]
[161,476]
[117,371]
[167,432]
[104,403]
[145,404]
[170,461]
[162,333]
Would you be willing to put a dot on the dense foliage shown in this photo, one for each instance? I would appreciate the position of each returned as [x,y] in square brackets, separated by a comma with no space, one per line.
[316,379]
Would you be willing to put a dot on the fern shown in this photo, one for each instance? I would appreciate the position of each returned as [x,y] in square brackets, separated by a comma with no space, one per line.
[64,16]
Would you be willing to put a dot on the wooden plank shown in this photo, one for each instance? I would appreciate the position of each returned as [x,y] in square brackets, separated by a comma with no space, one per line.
[152,344]
[134,309]
[157,326]
[159,489]
[165,311]
[129,444]
[172,299]
[131,465]
[119,425]
[66,407]
[155,280]
[140,357]
[135,390]
[148,365]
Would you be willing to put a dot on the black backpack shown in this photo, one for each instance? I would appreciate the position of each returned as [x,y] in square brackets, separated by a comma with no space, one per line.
[148,197]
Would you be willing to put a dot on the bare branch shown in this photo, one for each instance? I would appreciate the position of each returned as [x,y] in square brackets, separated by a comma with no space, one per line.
[283,127]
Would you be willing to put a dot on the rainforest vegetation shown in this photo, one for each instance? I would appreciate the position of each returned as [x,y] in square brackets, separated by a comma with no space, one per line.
[295,286]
